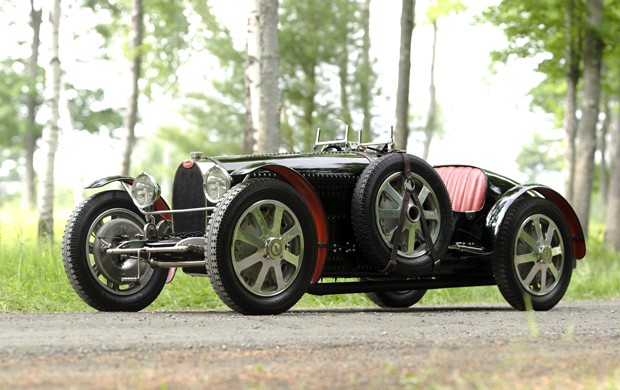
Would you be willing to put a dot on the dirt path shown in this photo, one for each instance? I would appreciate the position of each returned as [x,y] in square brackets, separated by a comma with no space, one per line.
[576,345]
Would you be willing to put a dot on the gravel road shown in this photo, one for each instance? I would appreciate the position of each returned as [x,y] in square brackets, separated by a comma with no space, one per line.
[577,344]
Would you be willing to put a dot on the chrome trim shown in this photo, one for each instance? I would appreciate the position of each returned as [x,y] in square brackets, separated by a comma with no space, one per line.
[181,211]
[205,178]
[354,146]
[167,249]
[178,264]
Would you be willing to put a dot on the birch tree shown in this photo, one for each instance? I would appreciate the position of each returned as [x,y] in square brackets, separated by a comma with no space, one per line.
[407,18]
[365,71]
[264,57]
[135,69]
[50,131]
[32,104]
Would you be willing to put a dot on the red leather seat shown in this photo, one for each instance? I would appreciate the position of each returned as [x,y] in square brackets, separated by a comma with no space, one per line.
[467,187]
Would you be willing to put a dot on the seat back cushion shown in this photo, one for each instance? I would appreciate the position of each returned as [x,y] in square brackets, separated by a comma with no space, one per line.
[467,187]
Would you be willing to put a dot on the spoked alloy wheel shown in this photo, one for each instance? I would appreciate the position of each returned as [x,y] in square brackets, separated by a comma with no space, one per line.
[534,255]
[267,247]
[387,210]
[104,281]
[261,248]
[376,207]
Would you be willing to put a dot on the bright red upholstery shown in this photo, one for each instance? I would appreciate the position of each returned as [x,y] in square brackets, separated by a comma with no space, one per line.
[467,187]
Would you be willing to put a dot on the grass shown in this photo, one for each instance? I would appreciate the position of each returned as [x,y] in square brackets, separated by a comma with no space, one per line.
[32,277]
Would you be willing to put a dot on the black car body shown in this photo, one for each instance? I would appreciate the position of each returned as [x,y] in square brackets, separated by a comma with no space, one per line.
[268,228]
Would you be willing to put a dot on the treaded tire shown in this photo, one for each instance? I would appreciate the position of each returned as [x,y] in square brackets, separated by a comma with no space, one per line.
[85,269]
[382,181]
[257,267]
[396,299]
[534,244]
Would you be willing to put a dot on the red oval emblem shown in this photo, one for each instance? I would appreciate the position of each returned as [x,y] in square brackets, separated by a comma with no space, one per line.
[188,164]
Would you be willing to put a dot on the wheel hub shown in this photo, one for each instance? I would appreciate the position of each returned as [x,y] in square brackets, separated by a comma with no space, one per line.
[115,268]
[274,248]
[413,213]
[545,254]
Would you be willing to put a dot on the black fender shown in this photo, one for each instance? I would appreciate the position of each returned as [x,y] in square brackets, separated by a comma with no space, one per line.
[305,189]
[159,205]
[496,215]
[110,179]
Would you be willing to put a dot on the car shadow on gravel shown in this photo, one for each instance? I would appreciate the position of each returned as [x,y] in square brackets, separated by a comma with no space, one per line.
[356,310]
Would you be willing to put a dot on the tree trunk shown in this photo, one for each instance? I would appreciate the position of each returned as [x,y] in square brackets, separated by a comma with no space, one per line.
[365,87]
[253,68]
[603,176]
[50,132]
[135,65]
[407,18]
[612,214]
[586,131]
[248,129]
[343,75]
[30,137]
[431,119]
[269,118]
[310,105]
[570,104]
[263,73]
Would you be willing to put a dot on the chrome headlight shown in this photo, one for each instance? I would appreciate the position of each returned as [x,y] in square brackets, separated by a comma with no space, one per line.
[145,190]
[216,183]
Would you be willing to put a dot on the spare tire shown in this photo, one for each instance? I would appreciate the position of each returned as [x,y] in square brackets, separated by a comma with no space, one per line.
[375,213]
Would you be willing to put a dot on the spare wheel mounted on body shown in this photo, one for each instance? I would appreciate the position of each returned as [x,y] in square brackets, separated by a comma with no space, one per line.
[376,210]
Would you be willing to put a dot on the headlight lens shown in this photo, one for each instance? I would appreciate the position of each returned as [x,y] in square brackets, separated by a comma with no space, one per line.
[216,183]
[145,190]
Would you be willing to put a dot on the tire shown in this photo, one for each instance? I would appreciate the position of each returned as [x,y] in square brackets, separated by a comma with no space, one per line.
[100,279]
[396,299]
[256,268]
[534,261]
[376,207]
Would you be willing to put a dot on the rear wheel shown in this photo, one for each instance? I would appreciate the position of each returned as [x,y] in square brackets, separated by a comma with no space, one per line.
[262,247]
[104,281]
[396,299]
[534,260]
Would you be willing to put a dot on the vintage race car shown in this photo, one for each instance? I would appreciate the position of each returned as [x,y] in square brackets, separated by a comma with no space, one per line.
[349,217]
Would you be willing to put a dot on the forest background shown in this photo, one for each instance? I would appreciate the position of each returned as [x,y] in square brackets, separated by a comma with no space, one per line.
[92,88]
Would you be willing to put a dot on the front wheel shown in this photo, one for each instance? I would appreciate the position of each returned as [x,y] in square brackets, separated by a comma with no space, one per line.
[262,247]
[534,260]
[108,282]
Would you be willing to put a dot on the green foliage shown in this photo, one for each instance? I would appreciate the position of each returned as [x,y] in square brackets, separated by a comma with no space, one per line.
[439,8]
[539,30]
[549,96]
[165,39]
[217,115]
[32,278]
[534,27]
[316,35]
[88,112]
[14,92]
[540,155]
